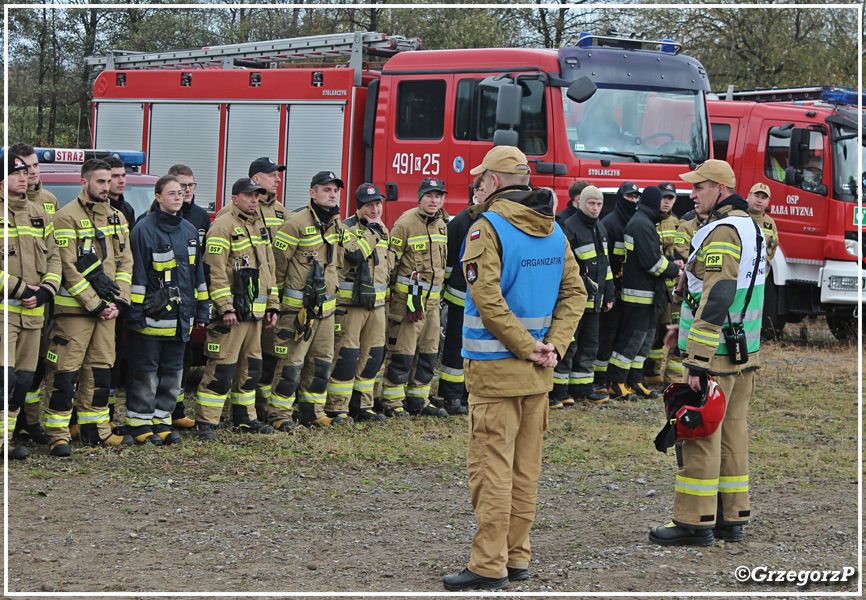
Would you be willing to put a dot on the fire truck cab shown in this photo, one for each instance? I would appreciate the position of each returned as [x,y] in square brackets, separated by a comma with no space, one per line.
[425,114]
[803,144]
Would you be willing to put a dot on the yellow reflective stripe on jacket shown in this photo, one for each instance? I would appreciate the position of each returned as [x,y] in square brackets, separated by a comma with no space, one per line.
[123,277]
[220,293]
[14,306]
[719,247]
[285,238]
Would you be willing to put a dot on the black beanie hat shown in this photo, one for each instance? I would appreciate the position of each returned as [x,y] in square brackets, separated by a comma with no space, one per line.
[651,198]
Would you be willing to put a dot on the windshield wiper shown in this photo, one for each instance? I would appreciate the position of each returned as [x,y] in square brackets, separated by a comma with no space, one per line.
[630,155]
[682,157]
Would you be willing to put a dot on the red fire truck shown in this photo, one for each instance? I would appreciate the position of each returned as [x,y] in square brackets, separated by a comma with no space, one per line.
[612,108]
[803,144]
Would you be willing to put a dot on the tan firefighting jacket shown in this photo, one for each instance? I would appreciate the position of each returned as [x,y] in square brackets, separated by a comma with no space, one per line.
[419,246]
[75,227]
[771,234]
[374,246]
[30,257]
[45,199]
[237,240]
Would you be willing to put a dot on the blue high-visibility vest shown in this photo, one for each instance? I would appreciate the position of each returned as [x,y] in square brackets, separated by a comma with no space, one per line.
[531,274]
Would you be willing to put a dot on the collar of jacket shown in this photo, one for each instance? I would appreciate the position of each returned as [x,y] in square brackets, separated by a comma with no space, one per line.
[725,209]
[530,211]
[586,219]
[267,198]
[242,216]
[625,208]
[726,206]
[654,215]
[186,207]
[167,221]
[323,215]
[430,219]
[101,207]
[17,203]
[116,202]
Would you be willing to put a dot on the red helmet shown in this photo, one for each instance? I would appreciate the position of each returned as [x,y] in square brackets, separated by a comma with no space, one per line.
[691,415]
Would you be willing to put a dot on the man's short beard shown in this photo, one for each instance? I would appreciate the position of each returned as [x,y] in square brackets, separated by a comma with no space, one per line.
[95,198]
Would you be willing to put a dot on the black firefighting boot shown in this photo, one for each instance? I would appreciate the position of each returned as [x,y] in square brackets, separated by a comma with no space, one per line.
[142,434]
[369,415]
[60,448]
[165,433]
[674,535]
[454,406]
[339,417]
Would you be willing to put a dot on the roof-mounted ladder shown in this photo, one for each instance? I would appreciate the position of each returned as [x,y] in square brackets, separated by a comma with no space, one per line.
[265,54]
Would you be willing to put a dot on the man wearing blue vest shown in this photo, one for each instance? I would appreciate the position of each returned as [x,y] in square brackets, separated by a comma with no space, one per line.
[525,298]
[725,276]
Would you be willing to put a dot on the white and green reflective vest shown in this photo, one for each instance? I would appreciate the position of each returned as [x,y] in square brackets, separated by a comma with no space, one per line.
[745,253]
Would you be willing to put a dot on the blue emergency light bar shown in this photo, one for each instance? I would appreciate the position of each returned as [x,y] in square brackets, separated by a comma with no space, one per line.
[73,155]
[836,94]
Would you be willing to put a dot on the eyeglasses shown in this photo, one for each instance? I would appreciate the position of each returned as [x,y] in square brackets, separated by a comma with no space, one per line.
[188,186]
[173,194]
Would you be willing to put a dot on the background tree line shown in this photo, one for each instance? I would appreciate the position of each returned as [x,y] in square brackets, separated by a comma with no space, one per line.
[50,86]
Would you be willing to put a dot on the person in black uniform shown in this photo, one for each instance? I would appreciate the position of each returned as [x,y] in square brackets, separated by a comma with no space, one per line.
[200,219]
[626,203]
[572,208]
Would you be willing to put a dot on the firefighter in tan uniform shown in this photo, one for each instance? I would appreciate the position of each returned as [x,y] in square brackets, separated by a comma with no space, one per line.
[418,241]
[29,276]
[93,241]
[720,334]
[29,426]
[524,299]
[759,200]
[240,274]
[359,330]
[308,247]
[667,229]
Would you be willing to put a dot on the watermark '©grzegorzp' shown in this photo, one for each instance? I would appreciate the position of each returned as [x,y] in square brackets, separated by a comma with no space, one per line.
[766,575]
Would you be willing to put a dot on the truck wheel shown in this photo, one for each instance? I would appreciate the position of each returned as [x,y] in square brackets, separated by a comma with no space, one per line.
[773,324]
[843,328]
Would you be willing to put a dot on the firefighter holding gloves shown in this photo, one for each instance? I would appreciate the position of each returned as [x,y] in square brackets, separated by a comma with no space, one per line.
[240,276]
[418,242]
[525,298]
[359,322]
[30,274]
[93,241]
[308,248]
[720,335]
[169,295]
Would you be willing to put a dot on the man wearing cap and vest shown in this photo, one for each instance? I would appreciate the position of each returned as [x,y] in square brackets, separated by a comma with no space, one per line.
[359,322]
[525,298]
[93,242]
[308,247]
[759,200]
[643,295]
[667,229]
[418,241]
[452,389]
[587,236]
[626,203]
[29,277]
[28,426]
[724,295]
[241,285]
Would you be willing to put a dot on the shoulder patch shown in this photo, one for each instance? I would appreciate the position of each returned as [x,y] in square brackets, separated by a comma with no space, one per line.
[213,249]
[310,230]
[713,262]
[475,234]
[238,231]
[471,272]
[395,241]
[49,207]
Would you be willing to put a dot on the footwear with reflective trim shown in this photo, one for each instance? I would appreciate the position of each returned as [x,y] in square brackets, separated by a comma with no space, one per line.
[432,411]
[323,421]
[517,574]
[205,431]
[141,434]
[367,414]
[467,580]
[341,419]
[254,426]
[284,425]
[620,391]
[567,402]
[642,391]
[60,448]
[167,436]
[729,533]
[31,432]
[183,423]
[554,404]
[397,413]
[595,397]
[120,440]
[674,535]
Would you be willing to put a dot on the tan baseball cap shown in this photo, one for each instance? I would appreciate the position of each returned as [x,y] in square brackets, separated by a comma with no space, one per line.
[760,187]
[712,170]
[503,159]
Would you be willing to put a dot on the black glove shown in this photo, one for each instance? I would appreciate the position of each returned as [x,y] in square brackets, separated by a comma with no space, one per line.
[364,292]
[90,266]
[43,295]
[155,303]
[414,305]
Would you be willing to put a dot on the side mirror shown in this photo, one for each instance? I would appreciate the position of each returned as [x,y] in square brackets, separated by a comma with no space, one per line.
[581,90]
[505,137]
[508,106]
[798,153]
[494,82]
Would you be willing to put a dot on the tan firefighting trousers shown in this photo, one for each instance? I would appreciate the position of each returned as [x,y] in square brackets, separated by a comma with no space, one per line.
[412,350]
[24,348]
[712,483]
[79,348]
[234,367]
[359,345]
[504,461]
[303,368]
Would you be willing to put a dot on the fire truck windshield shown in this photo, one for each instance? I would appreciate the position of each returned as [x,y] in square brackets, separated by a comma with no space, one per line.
[848,171]
[639,125]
